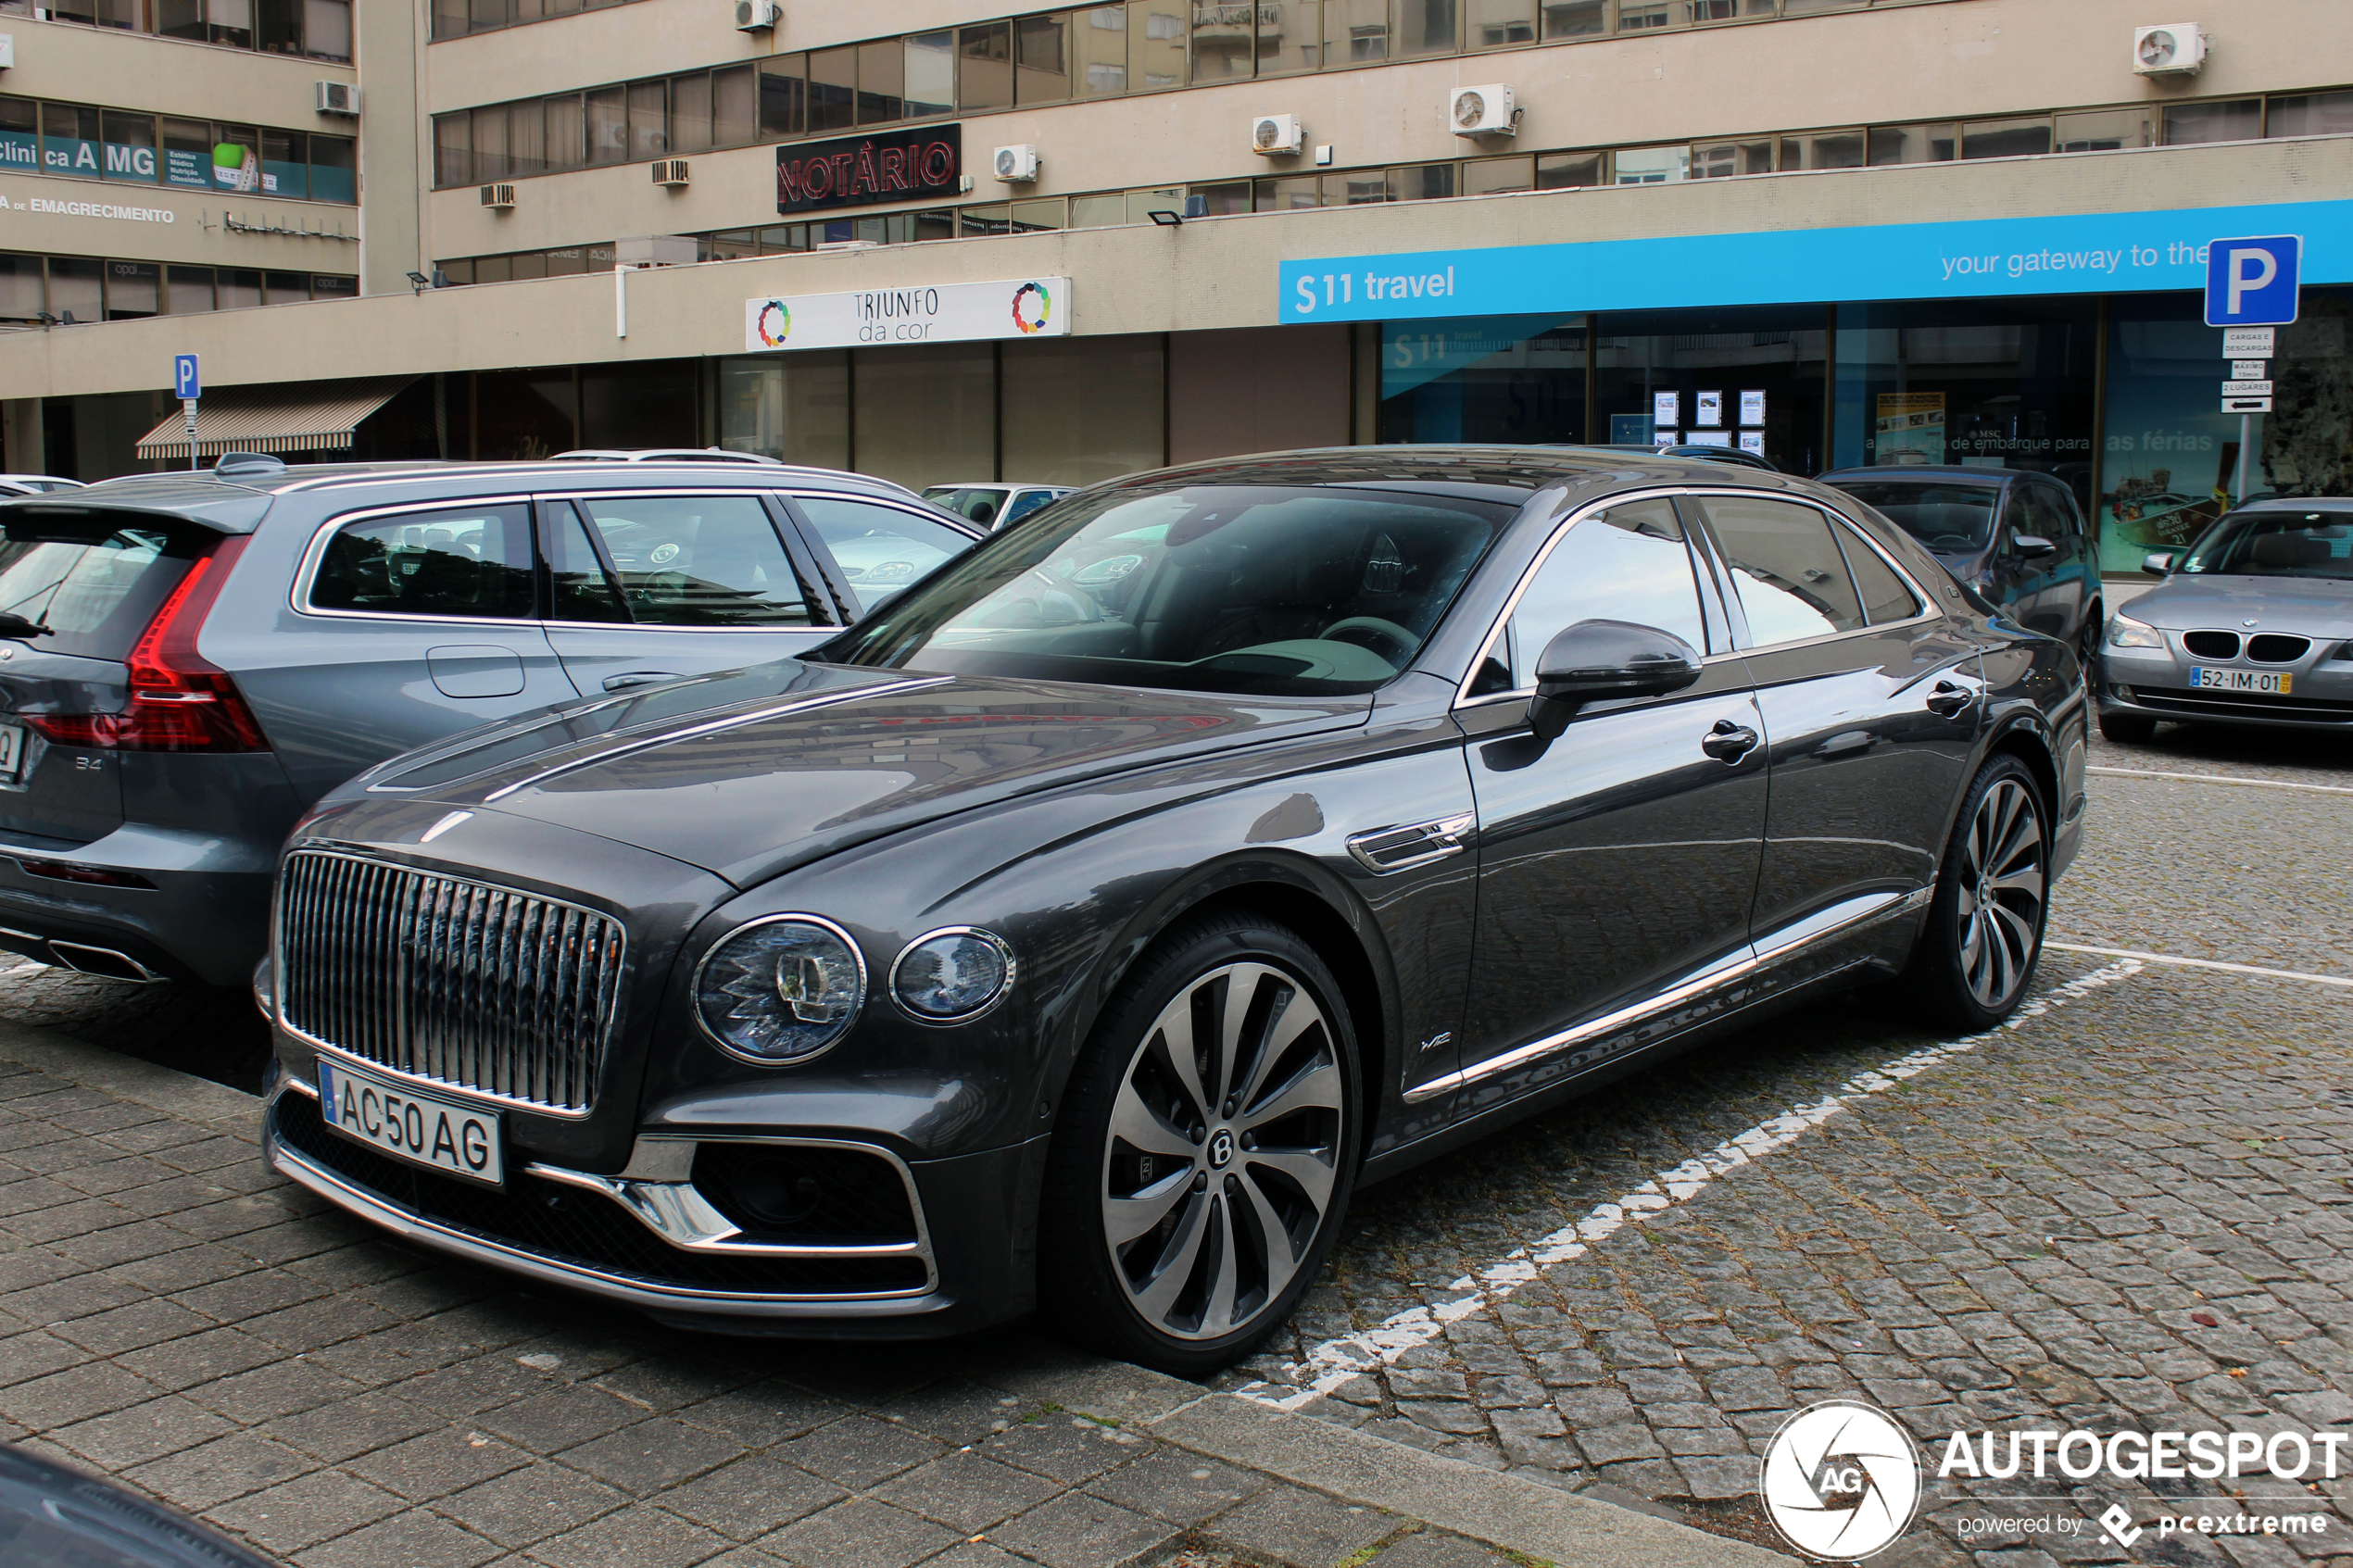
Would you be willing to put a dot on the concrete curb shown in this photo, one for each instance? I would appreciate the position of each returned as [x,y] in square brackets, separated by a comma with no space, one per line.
[1523,1516]
[142,1082]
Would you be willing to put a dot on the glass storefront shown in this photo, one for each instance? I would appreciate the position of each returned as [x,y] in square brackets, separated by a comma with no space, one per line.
[2170,462]
[1993,384]
[1982,383]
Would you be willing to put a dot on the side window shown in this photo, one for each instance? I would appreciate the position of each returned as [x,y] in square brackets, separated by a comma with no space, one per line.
[697,561]
[578,588]
[1629,563]
[1792,581]
[2050,515]
[1023,504]
[472,561]
[879,549]
[1885,598]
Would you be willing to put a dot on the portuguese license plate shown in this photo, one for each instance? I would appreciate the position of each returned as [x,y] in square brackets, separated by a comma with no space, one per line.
[424,1129]
[2262,683]
[11,750]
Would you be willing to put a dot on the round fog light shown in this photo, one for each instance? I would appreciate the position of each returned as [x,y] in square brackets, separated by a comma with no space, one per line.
[947,976]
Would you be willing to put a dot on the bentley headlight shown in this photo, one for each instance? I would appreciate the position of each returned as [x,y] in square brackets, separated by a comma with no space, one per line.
[2125,633]
[947,976]
[781,989]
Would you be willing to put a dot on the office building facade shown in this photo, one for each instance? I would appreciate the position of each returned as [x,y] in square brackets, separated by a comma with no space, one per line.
[1065,244]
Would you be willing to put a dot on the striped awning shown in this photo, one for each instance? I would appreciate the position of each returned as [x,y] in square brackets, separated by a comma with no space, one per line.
[269,419]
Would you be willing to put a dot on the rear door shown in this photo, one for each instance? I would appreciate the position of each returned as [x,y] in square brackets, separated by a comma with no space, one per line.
[412,623]
[2065,588]
[647,587]
[1871,702]
[876,548]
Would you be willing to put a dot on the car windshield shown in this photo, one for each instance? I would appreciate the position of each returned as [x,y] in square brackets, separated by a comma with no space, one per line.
[977,503]
[2286,543]
[1278,589]
[1951,519]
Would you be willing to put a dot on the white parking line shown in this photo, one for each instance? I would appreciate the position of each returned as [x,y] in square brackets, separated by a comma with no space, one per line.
[1333,1363]
[2201,963]
[2221,779]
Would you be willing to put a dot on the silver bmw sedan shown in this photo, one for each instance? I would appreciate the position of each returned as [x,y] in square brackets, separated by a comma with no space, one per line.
[2252,625]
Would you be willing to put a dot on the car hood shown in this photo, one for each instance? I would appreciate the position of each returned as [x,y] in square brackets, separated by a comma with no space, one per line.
[2313,606]
[820,757]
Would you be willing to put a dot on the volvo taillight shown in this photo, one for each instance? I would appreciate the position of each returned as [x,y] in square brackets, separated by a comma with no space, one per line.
[180,700]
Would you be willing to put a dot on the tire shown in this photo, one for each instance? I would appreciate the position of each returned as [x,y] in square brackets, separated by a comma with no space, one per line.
[2087,646]
[1174,1230]
[2127,729]
[1984,932]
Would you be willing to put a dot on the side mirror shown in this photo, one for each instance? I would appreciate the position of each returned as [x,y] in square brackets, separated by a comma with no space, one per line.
[2032,546]
[2157,563]
[1598,660]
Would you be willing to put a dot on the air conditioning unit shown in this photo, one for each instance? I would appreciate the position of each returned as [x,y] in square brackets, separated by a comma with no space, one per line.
[500,198]
[1276,135]
[1483,111]
[2175,49]
[1017,165]
[337,97]
[670,171]
[758,16]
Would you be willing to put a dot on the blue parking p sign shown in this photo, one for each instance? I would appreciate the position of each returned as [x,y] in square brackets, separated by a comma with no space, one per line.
[185,383]
[2252,283]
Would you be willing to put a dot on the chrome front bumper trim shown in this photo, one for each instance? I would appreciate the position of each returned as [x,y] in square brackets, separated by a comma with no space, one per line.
[675,1210]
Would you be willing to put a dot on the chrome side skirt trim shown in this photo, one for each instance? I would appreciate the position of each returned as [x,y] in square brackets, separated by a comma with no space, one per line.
[1839,920]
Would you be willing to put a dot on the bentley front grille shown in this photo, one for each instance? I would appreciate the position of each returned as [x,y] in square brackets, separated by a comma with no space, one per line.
[461,983]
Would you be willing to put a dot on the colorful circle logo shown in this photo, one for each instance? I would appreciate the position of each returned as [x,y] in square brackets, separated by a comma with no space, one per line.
[772,337]
[1032,319]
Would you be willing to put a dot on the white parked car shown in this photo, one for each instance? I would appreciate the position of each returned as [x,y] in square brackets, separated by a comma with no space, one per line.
[993,504]
[35,483]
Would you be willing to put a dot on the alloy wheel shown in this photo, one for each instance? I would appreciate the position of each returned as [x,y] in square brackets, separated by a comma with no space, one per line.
[1223,1154]
[2001,893]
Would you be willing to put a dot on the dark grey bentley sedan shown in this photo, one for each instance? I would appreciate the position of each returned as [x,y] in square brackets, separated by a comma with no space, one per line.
[1077,930]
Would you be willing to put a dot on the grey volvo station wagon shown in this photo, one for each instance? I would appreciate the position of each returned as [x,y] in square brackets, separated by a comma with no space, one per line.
[188,660]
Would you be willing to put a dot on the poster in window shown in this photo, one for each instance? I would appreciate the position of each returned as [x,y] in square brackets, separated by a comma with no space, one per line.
[1707,410]
[1752,440]
[1667,409]
[1753,408]
[1910,428]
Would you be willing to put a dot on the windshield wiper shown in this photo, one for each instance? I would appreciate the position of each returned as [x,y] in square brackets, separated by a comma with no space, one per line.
[14,625]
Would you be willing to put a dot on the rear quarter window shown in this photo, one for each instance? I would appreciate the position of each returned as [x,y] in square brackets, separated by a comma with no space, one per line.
[95,599]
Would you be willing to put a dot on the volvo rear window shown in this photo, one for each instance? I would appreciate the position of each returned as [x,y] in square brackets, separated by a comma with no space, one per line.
[91,599]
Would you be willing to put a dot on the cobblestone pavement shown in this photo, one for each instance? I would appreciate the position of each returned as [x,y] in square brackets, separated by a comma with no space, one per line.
[2130,1212]
[176,1317]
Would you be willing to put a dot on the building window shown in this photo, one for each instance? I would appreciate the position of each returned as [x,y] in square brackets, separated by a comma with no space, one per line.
[2237,121]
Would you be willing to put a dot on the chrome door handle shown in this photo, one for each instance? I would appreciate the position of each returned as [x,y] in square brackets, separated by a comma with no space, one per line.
[1947,701]
[1727,742]
[639,678]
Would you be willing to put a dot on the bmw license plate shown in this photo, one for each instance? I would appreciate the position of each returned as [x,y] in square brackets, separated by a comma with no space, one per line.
[11,750]
[422,1129]
[2262,683]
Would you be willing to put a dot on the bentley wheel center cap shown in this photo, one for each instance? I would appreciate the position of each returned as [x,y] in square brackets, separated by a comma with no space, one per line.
[1221,1150]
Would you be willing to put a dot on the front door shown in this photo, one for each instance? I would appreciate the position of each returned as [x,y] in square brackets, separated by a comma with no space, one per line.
[1618,862]
[1871,702]
[646,588]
